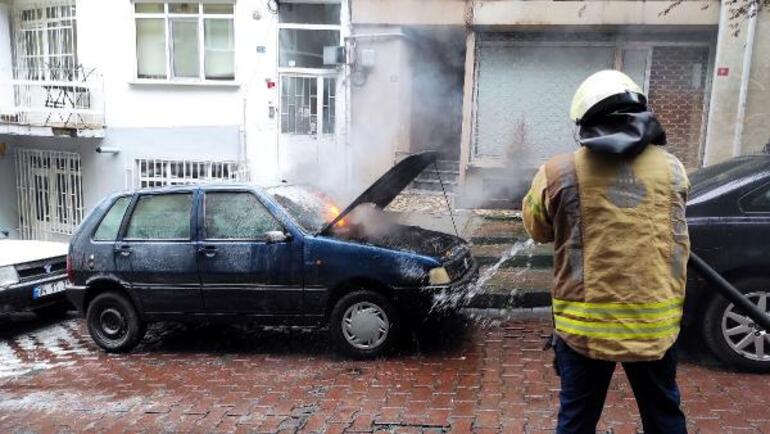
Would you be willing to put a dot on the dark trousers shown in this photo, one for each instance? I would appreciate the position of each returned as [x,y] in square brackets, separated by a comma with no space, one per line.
[584,384]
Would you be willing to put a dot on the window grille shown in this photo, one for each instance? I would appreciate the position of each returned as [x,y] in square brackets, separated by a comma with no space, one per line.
[50,193]
[149,173]
[300,99]
[46,40]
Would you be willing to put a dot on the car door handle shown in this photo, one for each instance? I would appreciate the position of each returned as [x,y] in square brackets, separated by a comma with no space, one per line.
[123,250]
[209,251]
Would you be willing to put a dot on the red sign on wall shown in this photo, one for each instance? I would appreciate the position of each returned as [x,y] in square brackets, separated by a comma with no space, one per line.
[723,71]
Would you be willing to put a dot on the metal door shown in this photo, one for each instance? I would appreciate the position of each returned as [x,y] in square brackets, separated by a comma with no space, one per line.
[50,193]
[307,141]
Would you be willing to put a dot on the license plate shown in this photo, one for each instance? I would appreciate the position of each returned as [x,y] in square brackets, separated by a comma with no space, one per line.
[47,289]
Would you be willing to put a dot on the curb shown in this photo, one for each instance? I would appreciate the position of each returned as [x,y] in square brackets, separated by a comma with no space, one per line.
[514,298]
[519,261]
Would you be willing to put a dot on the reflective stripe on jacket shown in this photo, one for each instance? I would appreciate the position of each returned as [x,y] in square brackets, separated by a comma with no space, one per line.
[620,249]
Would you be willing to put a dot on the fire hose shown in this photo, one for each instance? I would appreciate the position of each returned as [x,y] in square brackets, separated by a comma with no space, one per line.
[729,291]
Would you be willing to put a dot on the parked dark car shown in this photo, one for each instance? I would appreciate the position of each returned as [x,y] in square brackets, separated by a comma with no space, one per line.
[729,220]
[281,255]
[32,277]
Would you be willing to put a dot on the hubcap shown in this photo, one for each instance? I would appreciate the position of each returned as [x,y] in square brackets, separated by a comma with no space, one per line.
[365,325]
[744,337]
[112,323]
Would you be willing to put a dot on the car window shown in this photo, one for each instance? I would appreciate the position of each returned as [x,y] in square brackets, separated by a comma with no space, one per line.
[758,201]
[110,224]
[161,217]
[237,215]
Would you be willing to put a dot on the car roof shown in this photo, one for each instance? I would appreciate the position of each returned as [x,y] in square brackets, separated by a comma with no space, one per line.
[201,186]
[730,174]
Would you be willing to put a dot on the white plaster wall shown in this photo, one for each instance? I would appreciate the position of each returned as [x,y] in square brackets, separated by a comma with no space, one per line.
[106,41]
[8,206]
[6,59]
[756,132]
[726,89]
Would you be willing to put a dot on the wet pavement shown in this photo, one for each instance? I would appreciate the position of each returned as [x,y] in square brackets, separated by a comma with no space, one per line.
[488,375]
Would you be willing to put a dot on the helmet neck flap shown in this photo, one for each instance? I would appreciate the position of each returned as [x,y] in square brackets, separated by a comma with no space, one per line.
[626,130]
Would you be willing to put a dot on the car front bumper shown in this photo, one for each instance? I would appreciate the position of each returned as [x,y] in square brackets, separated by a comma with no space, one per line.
[439,298]
[25,295]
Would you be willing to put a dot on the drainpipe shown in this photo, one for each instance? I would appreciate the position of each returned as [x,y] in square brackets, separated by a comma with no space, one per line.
[243,157]
[745,79]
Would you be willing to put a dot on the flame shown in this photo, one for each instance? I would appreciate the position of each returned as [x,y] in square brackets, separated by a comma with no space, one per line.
[333,211]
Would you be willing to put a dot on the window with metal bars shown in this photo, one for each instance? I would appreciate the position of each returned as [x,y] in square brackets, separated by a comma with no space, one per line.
[302,98]
[46,42]
[160,173]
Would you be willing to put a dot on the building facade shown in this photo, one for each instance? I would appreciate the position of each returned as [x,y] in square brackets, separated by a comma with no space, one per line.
[98,96]
[489,83]
[102,96]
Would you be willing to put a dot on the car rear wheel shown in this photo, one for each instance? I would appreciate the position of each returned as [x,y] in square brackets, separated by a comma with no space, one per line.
[732,335]
[364,324]
[114,323]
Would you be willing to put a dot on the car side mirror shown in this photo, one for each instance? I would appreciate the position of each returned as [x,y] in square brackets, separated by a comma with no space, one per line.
[277,237]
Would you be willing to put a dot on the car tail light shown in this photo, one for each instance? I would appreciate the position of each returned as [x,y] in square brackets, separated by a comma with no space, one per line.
[70,271]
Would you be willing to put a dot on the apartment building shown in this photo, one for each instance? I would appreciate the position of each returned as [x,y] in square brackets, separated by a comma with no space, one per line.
[98,96]
[488,83]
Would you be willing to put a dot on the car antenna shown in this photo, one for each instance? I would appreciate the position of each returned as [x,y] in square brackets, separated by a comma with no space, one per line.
[446,198]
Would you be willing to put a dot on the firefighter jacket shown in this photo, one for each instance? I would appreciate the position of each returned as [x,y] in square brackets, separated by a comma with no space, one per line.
[620,249]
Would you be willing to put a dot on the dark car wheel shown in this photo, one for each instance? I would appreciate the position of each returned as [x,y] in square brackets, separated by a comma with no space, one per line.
[114,323]
[733,336]
[364,324]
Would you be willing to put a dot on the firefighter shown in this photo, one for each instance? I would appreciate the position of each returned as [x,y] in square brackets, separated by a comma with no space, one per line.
[615,211]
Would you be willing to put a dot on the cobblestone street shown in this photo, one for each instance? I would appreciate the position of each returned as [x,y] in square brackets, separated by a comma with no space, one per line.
[487,376]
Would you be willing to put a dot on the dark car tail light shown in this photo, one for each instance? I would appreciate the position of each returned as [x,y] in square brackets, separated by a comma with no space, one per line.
[70,270]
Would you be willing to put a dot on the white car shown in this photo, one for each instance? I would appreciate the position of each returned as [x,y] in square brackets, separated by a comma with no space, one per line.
[33,276]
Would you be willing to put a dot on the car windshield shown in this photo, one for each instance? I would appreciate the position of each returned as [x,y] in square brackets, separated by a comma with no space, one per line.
[310,208]
[730,171]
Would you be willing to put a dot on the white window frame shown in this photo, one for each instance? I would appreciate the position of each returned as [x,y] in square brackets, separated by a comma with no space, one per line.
[200,17]
[321,74]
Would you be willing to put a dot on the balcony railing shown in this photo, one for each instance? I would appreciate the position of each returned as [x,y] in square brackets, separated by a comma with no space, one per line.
[71,98]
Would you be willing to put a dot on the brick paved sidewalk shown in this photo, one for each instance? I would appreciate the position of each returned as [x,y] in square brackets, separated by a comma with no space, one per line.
[490,376]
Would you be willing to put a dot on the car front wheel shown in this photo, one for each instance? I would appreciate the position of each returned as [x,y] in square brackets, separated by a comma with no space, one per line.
[114,323]
[364,324]
[732,335]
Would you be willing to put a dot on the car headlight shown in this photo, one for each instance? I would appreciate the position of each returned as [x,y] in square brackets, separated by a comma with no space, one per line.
[8,276]
[439,276]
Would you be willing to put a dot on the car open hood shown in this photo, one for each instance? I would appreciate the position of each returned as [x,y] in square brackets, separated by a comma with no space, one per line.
[389,185]
[14,252]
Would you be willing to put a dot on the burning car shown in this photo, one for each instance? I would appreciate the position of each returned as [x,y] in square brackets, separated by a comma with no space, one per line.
[281,255]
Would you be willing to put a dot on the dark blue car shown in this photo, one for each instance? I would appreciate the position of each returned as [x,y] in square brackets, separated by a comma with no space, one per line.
[281,255]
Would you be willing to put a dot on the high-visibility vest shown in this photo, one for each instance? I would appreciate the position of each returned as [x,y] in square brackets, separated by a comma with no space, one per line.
[620,249]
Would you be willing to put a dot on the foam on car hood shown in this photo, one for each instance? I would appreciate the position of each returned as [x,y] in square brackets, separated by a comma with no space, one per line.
[20,251]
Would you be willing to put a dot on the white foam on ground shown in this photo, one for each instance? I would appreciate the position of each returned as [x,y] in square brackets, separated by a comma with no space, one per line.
[51,338]
[11,365]
[63,401]
[40,350]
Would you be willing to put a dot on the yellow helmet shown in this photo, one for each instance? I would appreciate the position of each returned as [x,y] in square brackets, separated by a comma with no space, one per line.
[602,91]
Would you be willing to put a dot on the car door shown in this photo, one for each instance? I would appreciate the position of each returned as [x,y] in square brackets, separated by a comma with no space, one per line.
[159,245]
[753,229]
[102,256]
[241,270]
